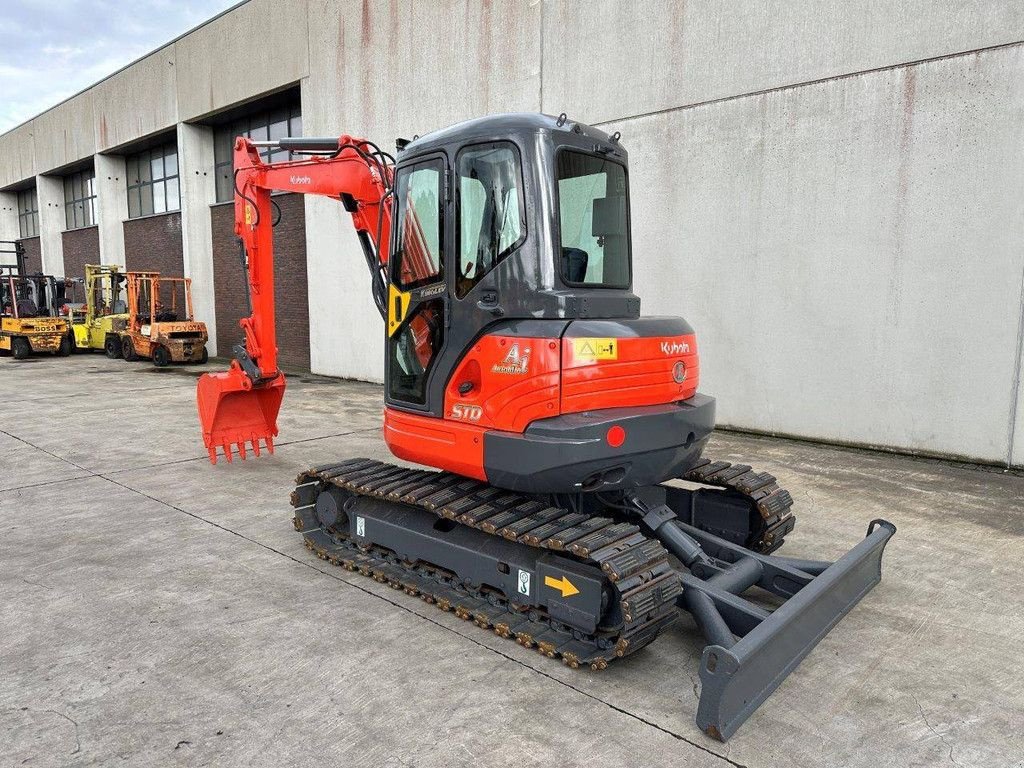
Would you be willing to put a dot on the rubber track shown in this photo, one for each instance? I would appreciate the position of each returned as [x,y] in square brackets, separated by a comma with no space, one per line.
[772,502]
[638,567]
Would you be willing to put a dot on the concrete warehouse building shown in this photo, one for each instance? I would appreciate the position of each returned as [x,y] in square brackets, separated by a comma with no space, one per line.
[832,196]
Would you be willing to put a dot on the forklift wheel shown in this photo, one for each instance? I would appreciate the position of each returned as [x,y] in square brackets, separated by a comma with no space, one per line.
[112,346]
[65,347]
[128,349]
[161,357]
[20,348]
[205,358]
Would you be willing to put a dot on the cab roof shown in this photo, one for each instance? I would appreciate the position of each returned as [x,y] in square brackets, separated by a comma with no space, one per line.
[502,126]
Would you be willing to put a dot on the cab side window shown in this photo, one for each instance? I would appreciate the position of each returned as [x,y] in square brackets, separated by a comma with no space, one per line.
[418,261]
[418,252]
[491,219]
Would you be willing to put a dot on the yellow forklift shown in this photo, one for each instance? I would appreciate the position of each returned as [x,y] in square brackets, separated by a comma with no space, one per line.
[30,309]
[93,323]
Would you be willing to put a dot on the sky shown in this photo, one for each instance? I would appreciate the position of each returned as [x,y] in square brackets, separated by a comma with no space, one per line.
[51,49]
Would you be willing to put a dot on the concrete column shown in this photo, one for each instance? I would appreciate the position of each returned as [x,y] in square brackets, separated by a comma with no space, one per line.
[111,206]
[9,216]
[50,190]
[198,193]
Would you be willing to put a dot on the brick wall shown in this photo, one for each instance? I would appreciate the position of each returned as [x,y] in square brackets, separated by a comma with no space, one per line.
[290,288]
[81,247]
[33,255]
[153,244]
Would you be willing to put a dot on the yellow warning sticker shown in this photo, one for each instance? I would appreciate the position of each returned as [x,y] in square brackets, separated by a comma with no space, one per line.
[595,349]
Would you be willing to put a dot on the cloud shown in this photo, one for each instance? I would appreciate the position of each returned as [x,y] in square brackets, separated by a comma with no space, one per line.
[51,50]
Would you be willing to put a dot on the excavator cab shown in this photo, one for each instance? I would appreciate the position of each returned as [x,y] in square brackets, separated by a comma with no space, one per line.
[514,336]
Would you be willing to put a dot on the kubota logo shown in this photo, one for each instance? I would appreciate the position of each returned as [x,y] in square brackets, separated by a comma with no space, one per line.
[467,412]
[300,180]
[675,348]
[514,362]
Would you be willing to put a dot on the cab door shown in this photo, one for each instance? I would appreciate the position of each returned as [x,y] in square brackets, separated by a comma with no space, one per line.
[417,294]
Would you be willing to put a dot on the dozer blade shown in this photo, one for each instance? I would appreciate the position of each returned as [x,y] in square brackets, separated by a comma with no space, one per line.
[737,675]
[233,411]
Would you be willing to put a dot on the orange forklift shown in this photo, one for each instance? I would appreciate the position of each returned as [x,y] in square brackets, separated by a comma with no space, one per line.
[160,324]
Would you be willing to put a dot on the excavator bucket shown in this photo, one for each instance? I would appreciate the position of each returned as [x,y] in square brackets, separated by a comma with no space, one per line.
[233,411]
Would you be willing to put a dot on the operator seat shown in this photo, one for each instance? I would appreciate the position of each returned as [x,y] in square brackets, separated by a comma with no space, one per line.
[574,265]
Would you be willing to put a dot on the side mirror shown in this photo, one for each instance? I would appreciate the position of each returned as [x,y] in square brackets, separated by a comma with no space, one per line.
[608,216]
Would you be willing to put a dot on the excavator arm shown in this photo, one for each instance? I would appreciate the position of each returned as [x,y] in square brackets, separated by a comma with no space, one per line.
[241,405]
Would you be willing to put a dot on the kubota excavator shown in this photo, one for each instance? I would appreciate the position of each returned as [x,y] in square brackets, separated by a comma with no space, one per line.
[518,364]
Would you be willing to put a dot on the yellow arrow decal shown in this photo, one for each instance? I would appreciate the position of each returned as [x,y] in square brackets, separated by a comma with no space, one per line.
[563,585]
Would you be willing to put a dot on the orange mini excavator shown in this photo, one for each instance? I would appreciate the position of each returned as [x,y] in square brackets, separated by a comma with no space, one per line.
[569,506]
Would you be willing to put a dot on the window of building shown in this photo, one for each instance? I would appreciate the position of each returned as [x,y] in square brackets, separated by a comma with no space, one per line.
[28,213]
[80,199]
[153,181]
[260,126]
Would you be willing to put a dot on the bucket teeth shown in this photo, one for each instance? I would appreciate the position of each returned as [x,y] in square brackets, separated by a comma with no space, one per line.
[242,447]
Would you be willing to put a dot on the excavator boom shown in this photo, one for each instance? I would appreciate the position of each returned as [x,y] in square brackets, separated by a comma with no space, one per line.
[240,406]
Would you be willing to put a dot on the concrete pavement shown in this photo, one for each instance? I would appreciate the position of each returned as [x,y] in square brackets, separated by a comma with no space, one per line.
[156,610]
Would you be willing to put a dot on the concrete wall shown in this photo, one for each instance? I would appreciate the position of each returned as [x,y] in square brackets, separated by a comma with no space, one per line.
[843,226]
[371,75]
[860,289]
[198,193]
[111,185]
[9,228]
[831,194]
[52,221]
[258,47]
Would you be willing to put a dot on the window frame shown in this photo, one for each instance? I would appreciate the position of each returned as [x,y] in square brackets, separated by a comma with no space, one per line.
[442,200]
[146,183]
[86,181]
[262,118]
[558,223]
[28,217]
[456,183]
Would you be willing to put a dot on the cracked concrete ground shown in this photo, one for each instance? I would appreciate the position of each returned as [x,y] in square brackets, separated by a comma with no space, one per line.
[156,610]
